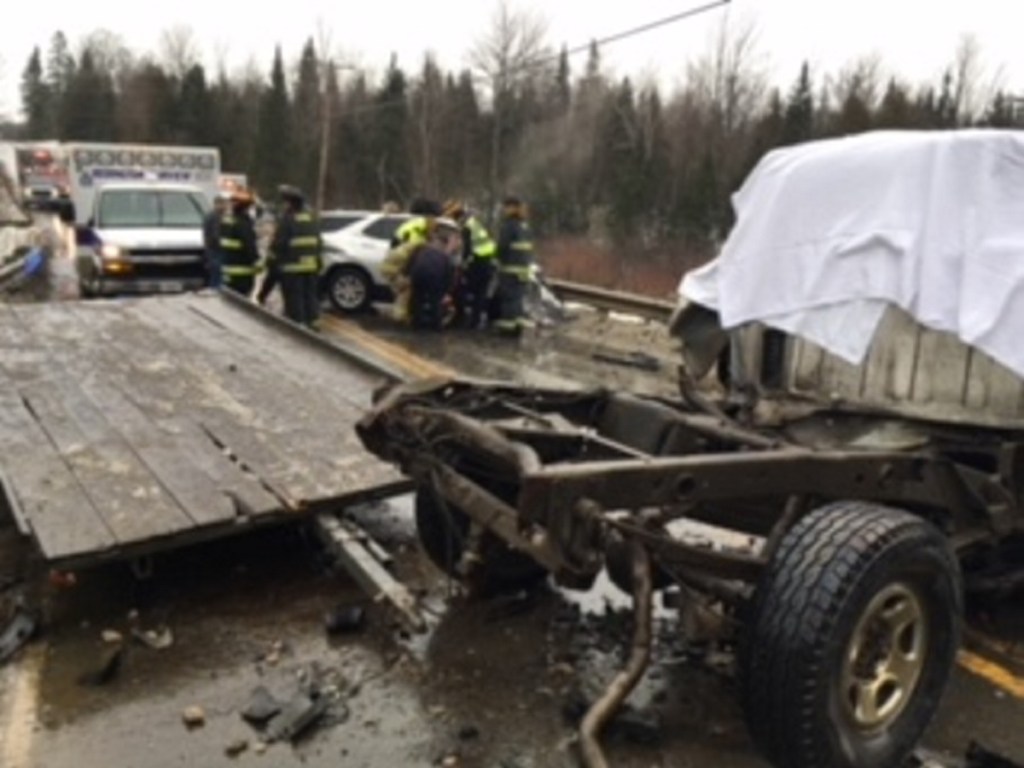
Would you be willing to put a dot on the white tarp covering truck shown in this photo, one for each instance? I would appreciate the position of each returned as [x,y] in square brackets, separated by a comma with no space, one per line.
[139,215]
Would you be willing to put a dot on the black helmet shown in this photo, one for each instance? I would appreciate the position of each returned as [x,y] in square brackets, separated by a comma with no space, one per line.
[423,207]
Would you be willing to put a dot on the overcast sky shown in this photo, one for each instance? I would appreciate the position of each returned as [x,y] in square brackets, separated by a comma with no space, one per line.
[914,38]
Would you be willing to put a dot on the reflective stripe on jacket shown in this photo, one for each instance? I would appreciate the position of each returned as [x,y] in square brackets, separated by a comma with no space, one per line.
[515,246]
[297,243]
[415,231]
[238,245]
[481,244]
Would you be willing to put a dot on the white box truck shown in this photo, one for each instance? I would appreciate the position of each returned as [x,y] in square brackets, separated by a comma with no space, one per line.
[139,213]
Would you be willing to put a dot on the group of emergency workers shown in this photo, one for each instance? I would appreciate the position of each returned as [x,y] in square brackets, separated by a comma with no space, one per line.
[444,267]
[293,260]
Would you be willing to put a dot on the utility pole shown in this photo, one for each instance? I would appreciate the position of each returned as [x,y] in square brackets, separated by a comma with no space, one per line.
[325,129]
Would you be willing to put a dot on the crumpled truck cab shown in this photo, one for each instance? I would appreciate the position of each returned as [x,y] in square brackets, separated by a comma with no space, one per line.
[902,293]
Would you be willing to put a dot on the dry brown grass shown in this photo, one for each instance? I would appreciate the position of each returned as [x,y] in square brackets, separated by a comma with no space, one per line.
[651,273]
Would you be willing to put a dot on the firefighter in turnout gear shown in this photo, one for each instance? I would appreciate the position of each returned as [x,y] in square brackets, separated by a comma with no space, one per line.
[408,239]
[238,245]
[515,263]
[432,273]
[479,252]
[296,250]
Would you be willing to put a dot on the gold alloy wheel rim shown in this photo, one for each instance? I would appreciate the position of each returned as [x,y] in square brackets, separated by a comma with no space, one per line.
[884,659]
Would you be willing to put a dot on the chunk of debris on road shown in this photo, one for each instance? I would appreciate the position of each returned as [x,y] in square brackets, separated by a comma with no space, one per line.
[450,761]
[158,639]
[193,717]
[259,747]
[640,360]
[261,707]
[236,747]
[296,716]
[345,618]
[111,636]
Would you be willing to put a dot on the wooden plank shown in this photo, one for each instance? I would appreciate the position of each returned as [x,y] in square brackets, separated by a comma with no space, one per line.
[171,383]
[128,497]
[57,509]
[297,420]
[341,382]
[200,476]
[134,502]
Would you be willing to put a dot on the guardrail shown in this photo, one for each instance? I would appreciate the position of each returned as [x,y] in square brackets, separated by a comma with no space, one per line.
[614,301]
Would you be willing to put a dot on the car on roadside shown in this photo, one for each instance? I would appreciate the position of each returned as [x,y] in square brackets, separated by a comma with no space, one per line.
[355,244]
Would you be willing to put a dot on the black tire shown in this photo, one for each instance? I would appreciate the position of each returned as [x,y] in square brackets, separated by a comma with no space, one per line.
[84,291]
[349,289]
[830,570]
[442,531]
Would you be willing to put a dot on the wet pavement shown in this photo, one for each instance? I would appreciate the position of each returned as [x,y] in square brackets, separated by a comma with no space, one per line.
[494,684]
[594,349]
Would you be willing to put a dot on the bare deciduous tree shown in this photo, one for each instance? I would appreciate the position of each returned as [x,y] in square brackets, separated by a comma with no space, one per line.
[109,53]
[506,57]
[179,49]
[973,86]
[730,77]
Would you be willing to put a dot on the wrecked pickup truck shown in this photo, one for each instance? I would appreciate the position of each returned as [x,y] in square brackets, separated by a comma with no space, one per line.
[864,463]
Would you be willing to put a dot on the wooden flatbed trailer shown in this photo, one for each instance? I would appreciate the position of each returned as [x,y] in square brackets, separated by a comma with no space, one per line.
[129,428]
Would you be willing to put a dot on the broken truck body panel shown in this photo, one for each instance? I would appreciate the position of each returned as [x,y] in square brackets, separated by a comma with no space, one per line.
[847,497]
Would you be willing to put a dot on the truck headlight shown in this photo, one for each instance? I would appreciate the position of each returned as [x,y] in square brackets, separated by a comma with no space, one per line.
[112,252]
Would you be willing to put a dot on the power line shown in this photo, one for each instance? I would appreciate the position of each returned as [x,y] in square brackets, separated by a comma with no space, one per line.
[649,27]
[582,48]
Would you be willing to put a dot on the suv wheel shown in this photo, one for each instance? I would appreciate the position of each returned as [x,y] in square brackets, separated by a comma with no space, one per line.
[349,289]
[852,636]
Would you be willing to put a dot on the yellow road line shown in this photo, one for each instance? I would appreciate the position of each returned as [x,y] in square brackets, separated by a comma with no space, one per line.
[409,362]
[993,673]
[22,706]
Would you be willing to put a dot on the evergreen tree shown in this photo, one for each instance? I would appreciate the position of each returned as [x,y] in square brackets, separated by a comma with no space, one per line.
[624,183]
[307,119]
[274,146]
[390,137]
[60,71]
[1001,113]
[896,110]
[36,99]
[799,119]
[193,109]
[90,104]
[560,91]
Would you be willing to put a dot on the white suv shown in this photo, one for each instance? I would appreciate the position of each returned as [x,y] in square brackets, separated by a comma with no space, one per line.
[355,246]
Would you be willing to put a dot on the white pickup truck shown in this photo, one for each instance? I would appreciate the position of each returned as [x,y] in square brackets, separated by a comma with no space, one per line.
[139,216]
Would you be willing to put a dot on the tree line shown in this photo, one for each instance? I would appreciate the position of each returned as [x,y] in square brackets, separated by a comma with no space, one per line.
[615,159]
